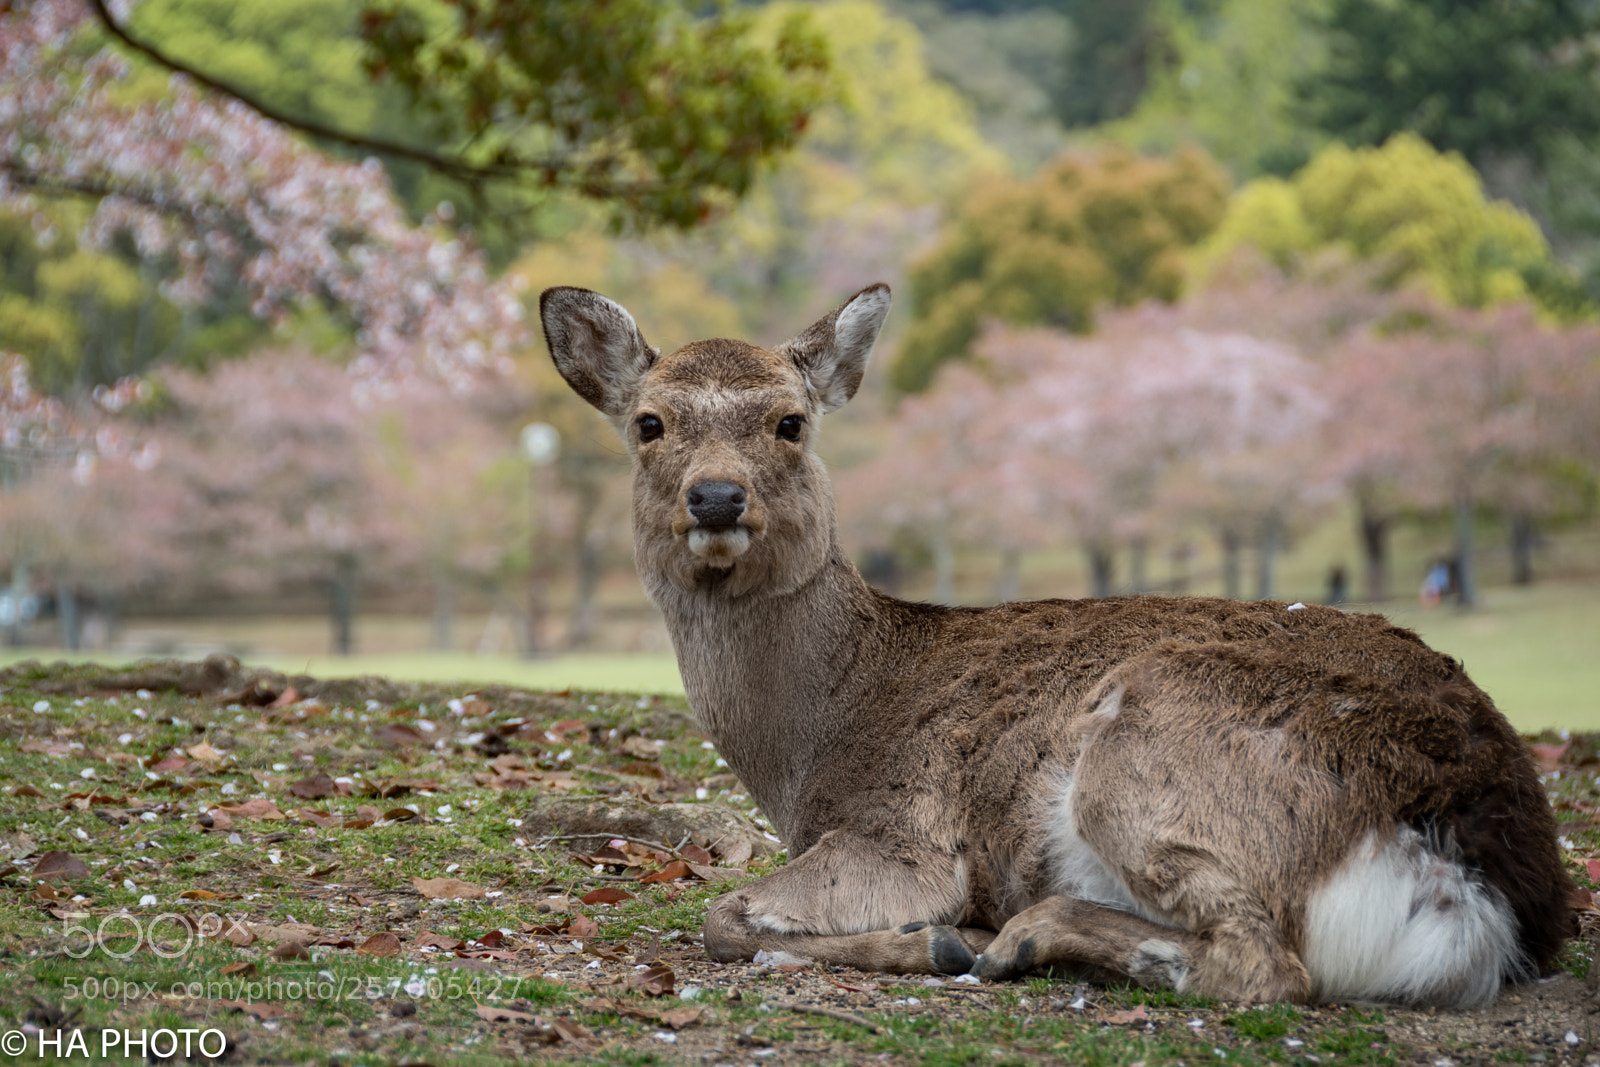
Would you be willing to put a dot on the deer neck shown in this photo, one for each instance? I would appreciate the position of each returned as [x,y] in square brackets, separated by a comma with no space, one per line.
[774,679]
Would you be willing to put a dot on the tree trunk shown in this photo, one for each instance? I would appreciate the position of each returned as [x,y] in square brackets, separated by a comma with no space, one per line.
[341,603]
[586,553]
[944,571]
[1375,554]
[1008,583]
[1102,568]
[1267,557]
[1466,536]
[1232,578]
[71,618]
[1138,580]
[19,592]
[444,612]
[1523,535]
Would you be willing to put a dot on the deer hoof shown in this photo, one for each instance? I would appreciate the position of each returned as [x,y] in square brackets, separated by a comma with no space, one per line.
[947,952]
[1002,966]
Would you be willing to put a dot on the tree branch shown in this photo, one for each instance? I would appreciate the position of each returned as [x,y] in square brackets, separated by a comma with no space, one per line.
[452,167]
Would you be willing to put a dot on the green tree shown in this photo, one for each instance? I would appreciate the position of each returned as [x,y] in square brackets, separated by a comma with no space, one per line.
[658,109]
[1228,83]
[1420,216]
[1082,234]
[1481,77]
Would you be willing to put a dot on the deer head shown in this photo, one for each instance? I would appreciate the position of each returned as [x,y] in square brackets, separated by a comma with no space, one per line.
[728,494]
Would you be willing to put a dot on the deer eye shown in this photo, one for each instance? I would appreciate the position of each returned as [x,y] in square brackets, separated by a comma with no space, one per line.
[789,427]
[650,428]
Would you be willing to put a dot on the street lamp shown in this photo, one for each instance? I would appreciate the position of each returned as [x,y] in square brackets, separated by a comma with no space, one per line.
[541,446]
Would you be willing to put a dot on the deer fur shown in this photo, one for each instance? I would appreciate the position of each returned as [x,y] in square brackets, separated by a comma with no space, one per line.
[1246,800]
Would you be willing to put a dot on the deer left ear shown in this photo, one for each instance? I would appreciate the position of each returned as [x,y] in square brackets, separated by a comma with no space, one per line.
[832,353]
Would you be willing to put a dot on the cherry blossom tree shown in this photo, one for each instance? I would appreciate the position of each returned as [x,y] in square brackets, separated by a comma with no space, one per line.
[231,195]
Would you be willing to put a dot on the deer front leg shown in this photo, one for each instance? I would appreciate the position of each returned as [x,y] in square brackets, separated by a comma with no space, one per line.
[855,902]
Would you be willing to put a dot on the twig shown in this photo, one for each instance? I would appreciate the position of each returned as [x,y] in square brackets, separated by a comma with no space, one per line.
[832,1013]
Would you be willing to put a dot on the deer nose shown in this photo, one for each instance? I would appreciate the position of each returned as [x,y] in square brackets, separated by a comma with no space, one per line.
[716,503]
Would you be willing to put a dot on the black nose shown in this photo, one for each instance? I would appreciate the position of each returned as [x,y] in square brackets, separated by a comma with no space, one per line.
[716,503]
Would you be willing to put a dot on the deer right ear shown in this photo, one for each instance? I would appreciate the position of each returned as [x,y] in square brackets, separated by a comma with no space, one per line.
[596,346]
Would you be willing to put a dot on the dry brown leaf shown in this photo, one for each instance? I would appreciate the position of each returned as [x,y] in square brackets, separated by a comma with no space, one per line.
[655,981]
[716,874]
[315,786]
[505,1015]
[58,864]
[290,950]
[428,939]
[1132,1015]
[169,764]
[285,698]
[243,968]
[671,872]
[257,808]
[398,733]
[582,927]
[27,791]
[260,1009]
[220,820]
[381,944]
[607,894]
[239,934]
[206,894]
[204,752]
[447,889]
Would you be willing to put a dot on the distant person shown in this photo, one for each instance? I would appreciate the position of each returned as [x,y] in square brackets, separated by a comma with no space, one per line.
[1439,583]
[1338,585]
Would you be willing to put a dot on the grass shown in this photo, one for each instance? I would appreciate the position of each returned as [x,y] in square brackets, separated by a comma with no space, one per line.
[80,777]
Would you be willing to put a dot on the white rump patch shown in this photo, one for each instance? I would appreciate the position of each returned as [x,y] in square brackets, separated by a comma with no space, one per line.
[1400,922]
[1076,870]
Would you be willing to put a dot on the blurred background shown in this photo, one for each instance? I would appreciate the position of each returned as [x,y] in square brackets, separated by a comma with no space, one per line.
[1262,298]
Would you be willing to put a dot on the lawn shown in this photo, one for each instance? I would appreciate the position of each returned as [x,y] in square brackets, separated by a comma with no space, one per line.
[372,873]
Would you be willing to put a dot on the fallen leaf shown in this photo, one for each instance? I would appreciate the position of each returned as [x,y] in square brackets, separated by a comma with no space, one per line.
[206,894]
[1593,867]
[285,698]
[505,1015]
[716,874]
[570,1031]
[258,808]
[737,852]
[400,815]
[243,968]
[583,927]
[696,854]
[204,752]
[261,1010]
[1132,1015]
[447,889]
[169,764]
[219,820]
[290,950]
[27,791]
[640,748]
[640,769]
[573,731]
[314,786]
[398,733]
[428,938]
[607,894]
[655,981]
[316,818]
[239,934]
[671,872]
[382,944]
[490,938]
[58,864]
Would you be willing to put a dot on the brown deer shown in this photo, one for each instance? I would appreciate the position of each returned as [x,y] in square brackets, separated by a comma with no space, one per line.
[1246,800]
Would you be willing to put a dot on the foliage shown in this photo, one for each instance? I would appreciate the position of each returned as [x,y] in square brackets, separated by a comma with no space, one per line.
[1050,251]
[651,106]
[1113,48]
[1420,216]
[1009,65]
[1229,84]
[1480,77]
[236,202]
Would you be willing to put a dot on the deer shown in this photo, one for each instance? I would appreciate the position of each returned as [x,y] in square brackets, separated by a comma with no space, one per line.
[1249,801]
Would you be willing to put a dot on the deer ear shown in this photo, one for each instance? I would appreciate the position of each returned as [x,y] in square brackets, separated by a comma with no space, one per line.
[832,352]
[596,346]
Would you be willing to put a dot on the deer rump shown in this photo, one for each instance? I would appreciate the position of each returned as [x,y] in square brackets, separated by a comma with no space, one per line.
[1250,801]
